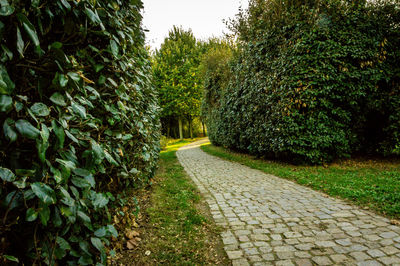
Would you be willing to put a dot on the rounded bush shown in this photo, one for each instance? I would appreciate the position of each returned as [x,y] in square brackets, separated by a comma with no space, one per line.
[312,81]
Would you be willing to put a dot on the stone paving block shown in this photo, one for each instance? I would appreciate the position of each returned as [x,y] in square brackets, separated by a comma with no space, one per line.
[325,244]
[284,248]
[251,251]
[306,246]
[243,238]
[265,250]
[344,242]
[259,237]
[302,254]
[360,256]
[242,232]
[285,255]
[255,258]
[284,263]
[389,234]
[292,234]
[321,260]
[303,262]
[261,244]
[375,253]
[268,257]
[291,241]
[240,262]
[390,250]
[234,254]
[339,258]
[229,240]
[389,260]
[246,245]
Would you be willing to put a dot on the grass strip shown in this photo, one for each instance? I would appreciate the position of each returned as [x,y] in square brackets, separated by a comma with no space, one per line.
[372,184]
[182,230]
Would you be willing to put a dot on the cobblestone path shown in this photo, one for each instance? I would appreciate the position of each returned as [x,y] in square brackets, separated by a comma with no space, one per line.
[272,221]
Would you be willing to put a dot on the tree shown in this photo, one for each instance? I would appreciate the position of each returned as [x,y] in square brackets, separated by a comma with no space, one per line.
[176,75]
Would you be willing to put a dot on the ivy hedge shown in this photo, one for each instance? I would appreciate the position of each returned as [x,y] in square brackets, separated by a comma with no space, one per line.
[79,122]
[311,81]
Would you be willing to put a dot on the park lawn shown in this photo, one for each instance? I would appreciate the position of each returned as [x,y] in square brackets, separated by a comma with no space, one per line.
[179,229]
[371,184]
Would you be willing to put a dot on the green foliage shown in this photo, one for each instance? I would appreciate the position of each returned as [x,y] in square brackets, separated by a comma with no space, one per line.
[216,73]
[176,75]
[79,120]
[312,81]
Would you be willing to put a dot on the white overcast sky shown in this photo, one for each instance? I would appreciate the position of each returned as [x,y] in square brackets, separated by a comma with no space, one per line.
[204,17]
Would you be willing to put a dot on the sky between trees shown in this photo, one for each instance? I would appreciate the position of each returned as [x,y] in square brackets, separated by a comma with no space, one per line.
[204,17]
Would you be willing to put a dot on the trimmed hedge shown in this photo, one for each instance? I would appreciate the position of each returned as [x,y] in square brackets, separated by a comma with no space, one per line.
[79,122]
[312,81]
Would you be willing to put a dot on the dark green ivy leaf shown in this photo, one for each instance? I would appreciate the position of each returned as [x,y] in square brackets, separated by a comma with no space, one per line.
[9,131]
[114,48]
[7,175]
[40,109]
[45,193]
[100,200]
[5,103]
[26,129]
[80,182]
[59,131]
[6,84]
[11,258]
[79,109]
[66,4]
[58,99]
[83,216]
[20,43]
[29,28]
[31,215]
[63,243]
[96,242]
[44,213]
[92,16]
[6,9]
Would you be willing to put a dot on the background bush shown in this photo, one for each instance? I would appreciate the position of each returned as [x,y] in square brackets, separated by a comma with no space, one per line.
[311,81]
[79,120]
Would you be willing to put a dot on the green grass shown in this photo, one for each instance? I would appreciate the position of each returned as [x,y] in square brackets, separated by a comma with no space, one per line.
[181,233]
[368,183]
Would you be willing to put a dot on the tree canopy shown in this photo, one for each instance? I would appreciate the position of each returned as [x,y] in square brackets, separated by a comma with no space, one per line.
[176,75]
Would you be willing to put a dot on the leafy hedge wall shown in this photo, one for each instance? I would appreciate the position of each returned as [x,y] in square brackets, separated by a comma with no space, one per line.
[312,81]
[79,121]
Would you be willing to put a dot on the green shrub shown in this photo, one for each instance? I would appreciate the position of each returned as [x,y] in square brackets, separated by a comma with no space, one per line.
[79,121]
[312,81]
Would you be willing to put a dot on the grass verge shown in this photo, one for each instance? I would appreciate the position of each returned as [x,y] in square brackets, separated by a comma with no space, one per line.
[179,229]
[372,184]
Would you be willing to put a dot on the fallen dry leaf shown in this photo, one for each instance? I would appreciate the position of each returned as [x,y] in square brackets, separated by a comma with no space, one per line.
[131,244]
[395,222]
[131,234]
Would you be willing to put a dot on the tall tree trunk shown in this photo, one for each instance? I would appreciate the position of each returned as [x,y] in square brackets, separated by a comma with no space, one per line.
[191,127]
[204,129]
[180,128]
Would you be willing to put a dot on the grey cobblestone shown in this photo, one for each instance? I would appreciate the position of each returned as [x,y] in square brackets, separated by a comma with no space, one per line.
[273,221]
